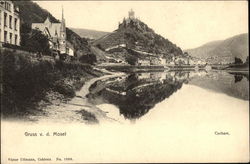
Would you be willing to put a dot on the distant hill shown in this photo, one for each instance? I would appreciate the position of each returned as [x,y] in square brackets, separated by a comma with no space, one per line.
[91,34]
[30,12]
[136,35]
[223,50]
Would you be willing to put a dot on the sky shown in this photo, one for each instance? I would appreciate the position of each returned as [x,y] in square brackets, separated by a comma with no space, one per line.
[188,24]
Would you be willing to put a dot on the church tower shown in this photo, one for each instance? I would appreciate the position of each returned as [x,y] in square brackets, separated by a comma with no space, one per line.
[63,35]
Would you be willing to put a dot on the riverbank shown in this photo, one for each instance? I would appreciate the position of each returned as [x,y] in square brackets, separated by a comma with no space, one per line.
[155,68]
[150,68]
[29,84]
[78,109]
[131,68]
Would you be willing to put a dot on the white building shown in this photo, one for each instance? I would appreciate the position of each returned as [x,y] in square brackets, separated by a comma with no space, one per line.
[163,61]
[9,23]
[143,62]
[69,49]
[56,33]
[141,76]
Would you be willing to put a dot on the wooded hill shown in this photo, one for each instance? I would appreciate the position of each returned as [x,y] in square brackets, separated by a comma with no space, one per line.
[224,50]
[138,36]
[30,12]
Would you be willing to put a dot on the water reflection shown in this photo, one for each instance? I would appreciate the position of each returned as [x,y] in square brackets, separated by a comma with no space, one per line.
[238,76]
[135,94]
[235,84]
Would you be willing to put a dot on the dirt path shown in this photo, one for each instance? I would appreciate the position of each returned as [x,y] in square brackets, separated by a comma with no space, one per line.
[78,109]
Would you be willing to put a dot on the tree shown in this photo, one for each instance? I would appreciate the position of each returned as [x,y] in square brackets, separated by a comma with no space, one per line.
[247,61]
[89,58]
[130,59]
[36,41]
[237,61]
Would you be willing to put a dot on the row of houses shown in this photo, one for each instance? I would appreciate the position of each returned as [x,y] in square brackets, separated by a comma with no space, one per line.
[186,60]
[146,61]
[180,60]
[10,29]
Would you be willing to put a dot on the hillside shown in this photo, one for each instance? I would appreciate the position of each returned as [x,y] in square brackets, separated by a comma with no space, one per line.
[135,35]
[80,45]
[30,12]
[224,50]
[91,34]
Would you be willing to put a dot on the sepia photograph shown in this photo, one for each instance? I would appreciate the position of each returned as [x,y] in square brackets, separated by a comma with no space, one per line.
[124,81]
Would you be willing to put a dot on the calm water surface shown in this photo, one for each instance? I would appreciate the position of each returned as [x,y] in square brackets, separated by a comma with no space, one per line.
[164,116]
[139,96]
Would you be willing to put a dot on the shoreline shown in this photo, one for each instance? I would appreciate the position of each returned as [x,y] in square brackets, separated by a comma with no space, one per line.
[134,68]
[78,109]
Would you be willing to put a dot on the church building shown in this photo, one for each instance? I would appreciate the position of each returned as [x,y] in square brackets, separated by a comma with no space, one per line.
[56,33]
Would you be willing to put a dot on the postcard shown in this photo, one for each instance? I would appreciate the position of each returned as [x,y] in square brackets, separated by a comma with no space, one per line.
[124,81]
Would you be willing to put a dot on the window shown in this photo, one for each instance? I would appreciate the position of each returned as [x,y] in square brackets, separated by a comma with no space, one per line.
[10,23]
[7,6]
[15,39]
[5,19]
[10,38]
[15,24]
[5,36]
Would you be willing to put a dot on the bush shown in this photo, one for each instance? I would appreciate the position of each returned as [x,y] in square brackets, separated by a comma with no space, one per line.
[130,59]
[237,61]
[36,42]
[89,117]
[64,89]
[25,83]
[89,58]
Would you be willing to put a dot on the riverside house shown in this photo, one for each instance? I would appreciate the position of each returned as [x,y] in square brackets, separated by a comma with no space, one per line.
[143,62]
[9,23]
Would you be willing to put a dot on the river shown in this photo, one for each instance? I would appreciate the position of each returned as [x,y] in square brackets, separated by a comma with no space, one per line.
[137,98]
[153,96]
[151,117]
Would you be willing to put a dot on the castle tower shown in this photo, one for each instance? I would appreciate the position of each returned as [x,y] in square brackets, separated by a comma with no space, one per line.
[131,14]
[63,35]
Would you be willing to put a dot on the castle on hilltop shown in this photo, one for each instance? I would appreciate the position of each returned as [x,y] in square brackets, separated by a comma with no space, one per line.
[56,33]
[131,17]
[133,22]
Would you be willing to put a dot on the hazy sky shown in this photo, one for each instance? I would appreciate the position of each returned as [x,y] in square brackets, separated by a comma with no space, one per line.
[187,24]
